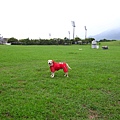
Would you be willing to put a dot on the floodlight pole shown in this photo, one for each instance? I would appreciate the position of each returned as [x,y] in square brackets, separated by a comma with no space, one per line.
[73,32]
[73,24]
[49,35]
[85,32]
[69,34]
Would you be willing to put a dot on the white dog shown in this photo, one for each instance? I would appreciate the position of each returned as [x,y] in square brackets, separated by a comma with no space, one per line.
[54,66]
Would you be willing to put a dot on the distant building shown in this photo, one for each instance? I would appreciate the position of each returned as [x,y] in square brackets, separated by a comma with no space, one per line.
[3,40]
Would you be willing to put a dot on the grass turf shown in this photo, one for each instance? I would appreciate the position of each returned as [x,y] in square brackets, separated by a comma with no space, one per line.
[92,90]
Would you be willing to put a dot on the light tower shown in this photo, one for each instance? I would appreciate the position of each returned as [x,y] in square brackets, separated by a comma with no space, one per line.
[85,32]
[69,34]
[73,24]
[49,35]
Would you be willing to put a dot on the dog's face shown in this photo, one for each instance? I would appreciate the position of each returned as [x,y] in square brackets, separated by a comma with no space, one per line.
[50,62]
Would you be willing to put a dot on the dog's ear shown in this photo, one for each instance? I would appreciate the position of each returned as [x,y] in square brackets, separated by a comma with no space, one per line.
[53,61]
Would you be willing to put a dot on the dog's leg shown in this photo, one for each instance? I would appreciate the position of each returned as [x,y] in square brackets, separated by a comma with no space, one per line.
[66,74]
[52,74]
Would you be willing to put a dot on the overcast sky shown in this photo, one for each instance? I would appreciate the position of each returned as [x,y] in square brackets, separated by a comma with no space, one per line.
[37,18]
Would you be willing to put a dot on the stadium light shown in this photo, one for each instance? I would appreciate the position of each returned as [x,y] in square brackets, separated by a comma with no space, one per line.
[69,34]
[85,32]
[73,24]
[49,35]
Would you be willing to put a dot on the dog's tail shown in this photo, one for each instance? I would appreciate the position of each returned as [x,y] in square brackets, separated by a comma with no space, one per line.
[68,66]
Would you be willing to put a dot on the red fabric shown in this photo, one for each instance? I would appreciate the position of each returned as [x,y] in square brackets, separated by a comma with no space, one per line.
[57,66]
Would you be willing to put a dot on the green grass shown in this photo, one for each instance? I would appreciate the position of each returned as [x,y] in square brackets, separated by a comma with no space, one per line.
[92,90]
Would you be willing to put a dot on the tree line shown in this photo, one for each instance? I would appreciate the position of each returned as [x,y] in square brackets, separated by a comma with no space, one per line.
[55,41]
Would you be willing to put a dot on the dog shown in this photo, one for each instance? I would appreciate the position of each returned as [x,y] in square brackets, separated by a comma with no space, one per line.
[104,47]
[55,66]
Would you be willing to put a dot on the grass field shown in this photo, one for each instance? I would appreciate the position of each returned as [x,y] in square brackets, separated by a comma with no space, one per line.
[92,90]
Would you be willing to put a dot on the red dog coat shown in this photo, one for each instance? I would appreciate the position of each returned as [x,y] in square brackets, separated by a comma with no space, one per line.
[56,66]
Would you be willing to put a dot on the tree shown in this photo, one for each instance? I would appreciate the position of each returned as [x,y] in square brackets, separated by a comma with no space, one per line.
[25,41]
[12,40]
[77,39]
